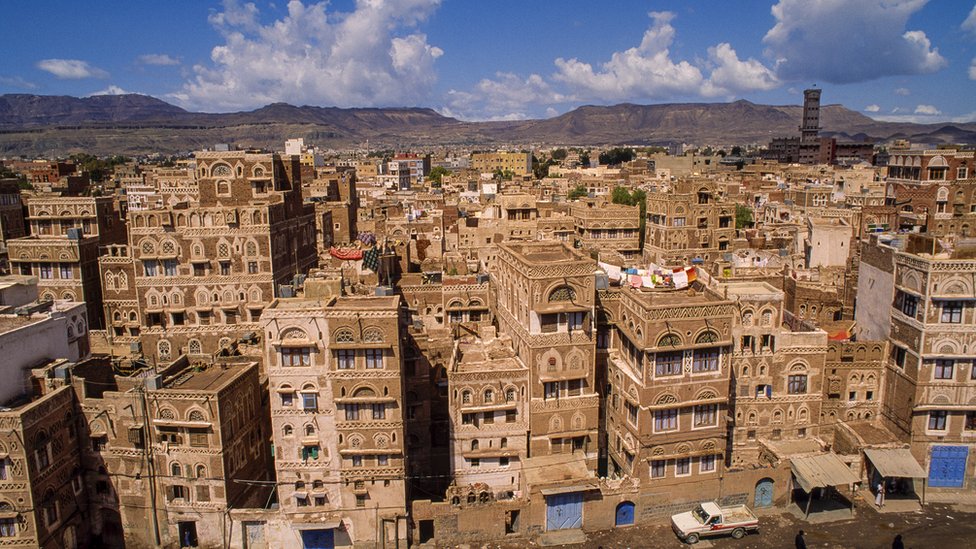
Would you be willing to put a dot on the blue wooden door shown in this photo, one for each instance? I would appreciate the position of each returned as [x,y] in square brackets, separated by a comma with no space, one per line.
[764,493]
[947,467]
[625,514]
[318,539]
[564,511]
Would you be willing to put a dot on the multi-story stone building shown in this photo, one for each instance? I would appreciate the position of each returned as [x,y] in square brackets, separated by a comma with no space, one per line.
[688,222]
[602,225]
[668,378]
[778,364]
[169,452]
[519,163]
[544,299]
[335,374]
[923,304]
[63,248]
[488,385]
[205,268]
[12,223]
[43,500]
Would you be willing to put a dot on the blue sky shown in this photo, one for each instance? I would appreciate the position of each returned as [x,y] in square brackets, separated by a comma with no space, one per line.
[500,59]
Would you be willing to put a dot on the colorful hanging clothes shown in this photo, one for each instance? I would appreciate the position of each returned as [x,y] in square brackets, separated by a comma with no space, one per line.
[346,254]
[371,259]
[680,279]
[635,281]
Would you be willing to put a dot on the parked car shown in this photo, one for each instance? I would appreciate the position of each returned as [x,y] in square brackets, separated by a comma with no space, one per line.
[708,519]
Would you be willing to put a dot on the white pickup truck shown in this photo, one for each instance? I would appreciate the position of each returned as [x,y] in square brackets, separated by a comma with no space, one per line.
[708,519]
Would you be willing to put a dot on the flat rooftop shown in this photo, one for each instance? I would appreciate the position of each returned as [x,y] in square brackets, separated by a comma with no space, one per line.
[12,322]
[212,379]
[748,289]
[544,252]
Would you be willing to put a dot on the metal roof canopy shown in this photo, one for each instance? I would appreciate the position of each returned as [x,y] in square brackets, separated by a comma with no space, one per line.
[895,462]
[821,471]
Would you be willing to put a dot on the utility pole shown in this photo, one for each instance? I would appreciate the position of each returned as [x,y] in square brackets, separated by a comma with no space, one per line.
[150,464]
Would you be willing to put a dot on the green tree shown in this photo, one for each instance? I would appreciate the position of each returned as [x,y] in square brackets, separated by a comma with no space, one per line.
[505,175]
[541,170]
[437,174]
[585,159]
[579,192]
[621,195]
[743,216]
[617,156]
[736,151]
[559,154]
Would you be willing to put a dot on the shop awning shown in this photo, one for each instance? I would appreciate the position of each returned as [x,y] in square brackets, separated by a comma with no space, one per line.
[821,471]
[569,489]
[326,524]
[895,462]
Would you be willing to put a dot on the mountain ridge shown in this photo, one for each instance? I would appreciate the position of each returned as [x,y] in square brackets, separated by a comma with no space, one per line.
[137,124]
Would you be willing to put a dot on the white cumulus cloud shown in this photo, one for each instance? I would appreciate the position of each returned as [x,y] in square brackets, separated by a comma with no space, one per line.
[732,75]
[503,98]
[158,59]
[872,108]
[642,72]
[903,92]
[845,41]
[371,56]
[111,90]
[970,23]
[929,110]
[16,82]
[71,69]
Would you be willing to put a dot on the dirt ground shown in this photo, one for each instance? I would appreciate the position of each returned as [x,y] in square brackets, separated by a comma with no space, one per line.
[936,526]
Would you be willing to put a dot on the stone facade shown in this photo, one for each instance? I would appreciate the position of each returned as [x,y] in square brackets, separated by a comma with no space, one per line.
[544,299]
[204,268]
[335,375]
[63,248]
[688,221]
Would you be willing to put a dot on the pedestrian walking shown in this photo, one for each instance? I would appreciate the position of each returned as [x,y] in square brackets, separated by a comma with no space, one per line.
[897,544]
[801,543]
[879,497]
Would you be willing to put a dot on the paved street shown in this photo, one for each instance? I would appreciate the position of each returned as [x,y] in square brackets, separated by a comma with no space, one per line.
[938,525]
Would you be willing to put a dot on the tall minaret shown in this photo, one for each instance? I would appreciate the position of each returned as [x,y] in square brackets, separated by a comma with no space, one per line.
[810,129]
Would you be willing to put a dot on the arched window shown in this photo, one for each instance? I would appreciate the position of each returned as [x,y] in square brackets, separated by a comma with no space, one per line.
[707,337]
[562,293]
[201,471]
[465,397]
[250,249]
[176,470]
[509,395]
[309,430]
[164,349]
[287,430]
[474,444]
[489,396]
[669,340]
[194,347]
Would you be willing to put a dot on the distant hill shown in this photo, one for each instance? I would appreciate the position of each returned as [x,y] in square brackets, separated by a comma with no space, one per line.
[136,124]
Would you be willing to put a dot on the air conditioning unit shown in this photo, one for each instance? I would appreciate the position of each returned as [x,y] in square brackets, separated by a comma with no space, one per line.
[154,383]
[75,234]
